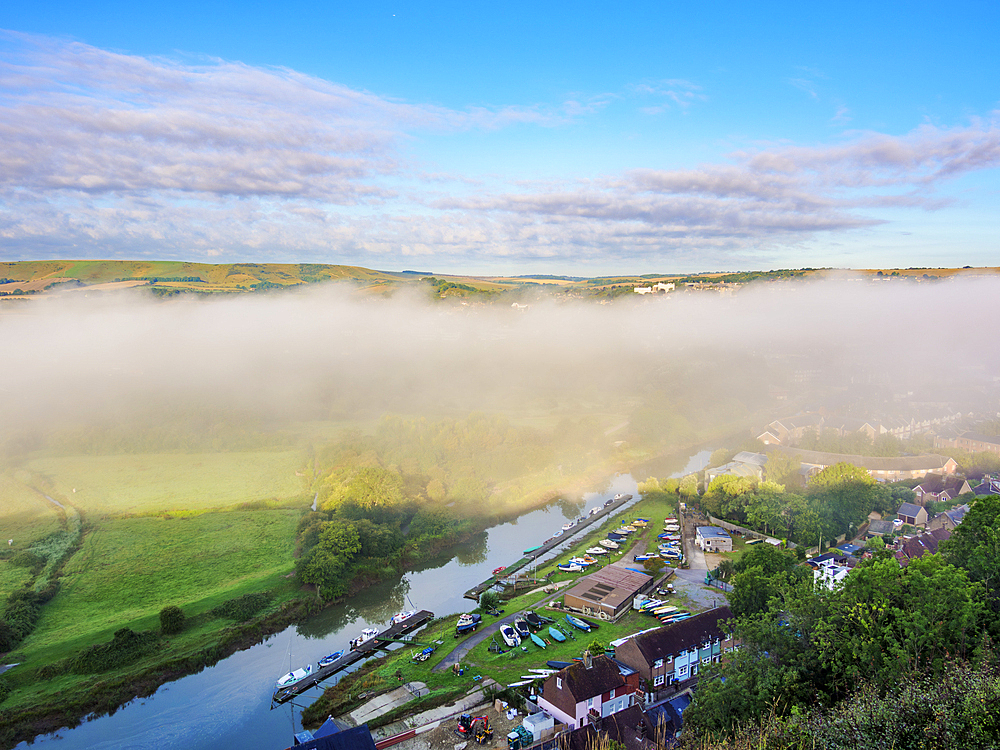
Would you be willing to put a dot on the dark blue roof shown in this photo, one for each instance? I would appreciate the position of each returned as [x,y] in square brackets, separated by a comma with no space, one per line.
[357,738]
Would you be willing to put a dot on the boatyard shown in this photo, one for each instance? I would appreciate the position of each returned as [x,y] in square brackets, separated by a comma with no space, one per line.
[533,553]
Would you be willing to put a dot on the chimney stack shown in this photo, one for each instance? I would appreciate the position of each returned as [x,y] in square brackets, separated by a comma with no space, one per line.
[587,661]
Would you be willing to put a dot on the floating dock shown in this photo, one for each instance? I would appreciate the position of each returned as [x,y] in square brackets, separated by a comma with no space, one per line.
[547,545]
[389,635]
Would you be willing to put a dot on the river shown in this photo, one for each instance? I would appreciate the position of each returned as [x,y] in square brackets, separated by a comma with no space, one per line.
[228,705]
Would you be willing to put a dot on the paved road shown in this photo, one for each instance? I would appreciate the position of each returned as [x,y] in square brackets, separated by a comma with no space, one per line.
[462,649]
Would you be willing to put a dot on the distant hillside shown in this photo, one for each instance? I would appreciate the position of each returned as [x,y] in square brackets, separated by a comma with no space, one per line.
[23,279]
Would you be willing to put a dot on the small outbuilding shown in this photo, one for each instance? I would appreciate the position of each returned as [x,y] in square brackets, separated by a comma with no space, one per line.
[713,539]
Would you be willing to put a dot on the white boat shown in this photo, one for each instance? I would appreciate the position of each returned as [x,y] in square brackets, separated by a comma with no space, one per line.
[672,527]
[366,635]
[510,636]
[567,526]
[402,617]
[570,568]
[608,543]
[579,561]
[295,676]
[597,551]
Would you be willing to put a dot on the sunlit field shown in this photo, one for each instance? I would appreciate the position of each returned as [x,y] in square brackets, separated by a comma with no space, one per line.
[129,569]
[148,483]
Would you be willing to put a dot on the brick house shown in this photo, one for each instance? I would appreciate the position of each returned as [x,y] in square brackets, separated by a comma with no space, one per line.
[675,653]
[594,688]
[913,514]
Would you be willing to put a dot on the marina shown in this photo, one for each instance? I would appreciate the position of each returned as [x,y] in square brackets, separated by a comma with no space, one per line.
[533,553]
[313,677]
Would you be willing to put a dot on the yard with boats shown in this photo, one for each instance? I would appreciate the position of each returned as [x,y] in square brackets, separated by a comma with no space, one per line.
[483,651]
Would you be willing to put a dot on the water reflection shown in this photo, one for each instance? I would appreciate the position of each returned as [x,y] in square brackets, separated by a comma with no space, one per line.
[472,552]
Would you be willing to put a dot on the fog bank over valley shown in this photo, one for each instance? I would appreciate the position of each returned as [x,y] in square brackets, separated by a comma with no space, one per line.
[327,354]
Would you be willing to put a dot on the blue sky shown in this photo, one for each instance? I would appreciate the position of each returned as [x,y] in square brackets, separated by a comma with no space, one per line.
[507,138]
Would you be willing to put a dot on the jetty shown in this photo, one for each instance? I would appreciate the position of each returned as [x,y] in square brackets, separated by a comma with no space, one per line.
[393,634]
[532,554]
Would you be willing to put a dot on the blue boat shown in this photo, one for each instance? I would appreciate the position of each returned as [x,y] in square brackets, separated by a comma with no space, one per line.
[578,624]
[559,664]
[538,641]
[557,634]
[326,661]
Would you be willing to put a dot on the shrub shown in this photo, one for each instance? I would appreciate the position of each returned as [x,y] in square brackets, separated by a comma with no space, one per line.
[242,608]
[126,647]
[489,600]
[171,620]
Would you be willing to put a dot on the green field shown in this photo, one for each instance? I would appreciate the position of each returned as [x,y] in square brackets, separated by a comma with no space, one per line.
[161,482]
[25,516]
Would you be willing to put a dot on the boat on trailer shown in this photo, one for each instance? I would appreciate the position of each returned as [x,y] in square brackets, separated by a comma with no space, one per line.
[597,551]
[570,567]
[578,623]
[509,636]
[608,544]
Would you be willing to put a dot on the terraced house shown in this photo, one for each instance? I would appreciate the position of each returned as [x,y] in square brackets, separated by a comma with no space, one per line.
[676,653]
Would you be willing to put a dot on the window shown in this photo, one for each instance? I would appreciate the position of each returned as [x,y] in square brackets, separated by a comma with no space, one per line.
[658,664]
[590,702]
[706,660]
[611,695]
[657,681]
[682,672]
[559,683]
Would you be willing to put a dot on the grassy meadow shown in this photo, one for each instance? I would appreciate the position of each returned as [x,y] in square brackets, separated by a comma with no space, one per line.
[129,569]
[164,482]
[26,515]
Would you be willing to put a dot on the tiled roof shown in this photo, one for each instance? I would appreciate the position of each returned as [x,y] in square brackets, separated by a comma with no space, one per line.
[672,639]
[908,509]
[629,726]
[582,683]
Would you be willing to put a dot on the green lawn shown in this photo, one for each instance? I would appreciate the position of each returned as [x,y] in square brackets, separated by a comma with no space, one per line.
[129,569]
[149,483]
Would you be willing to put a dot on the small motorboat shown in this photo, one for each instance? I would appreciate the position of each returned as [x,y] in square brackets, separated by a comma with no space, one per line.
[570,567]
[509,636]
[498,571]
[583,562]
[367,635]
[640,523]
[468,623]
[567,526]
[594,511]
[589,560]
[557,634]
[523,631]
[402,617]
[643,558]
[294,676]
[672,527]
[557,534]
[625,530]
[597,551]
[425,654]
[608,544]
[614,536]
[538,641]
[578,623]
[326,661]
[619,496]
[670,520]
[645,520]
[533,620]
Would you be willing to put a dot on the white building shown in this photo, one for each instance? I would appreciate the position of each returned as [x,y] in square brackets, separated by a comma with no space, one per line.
[830,574]
[713,539]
